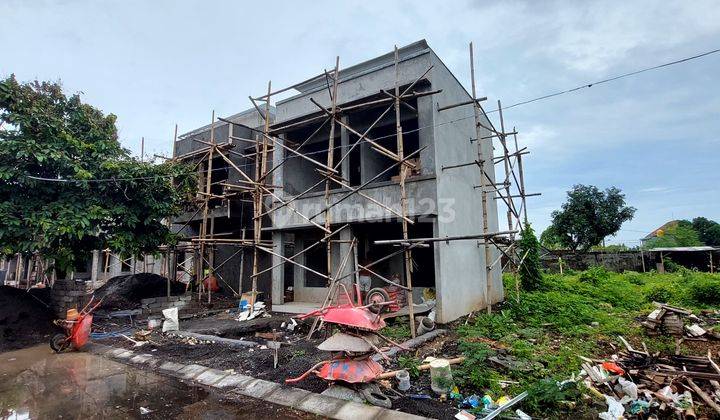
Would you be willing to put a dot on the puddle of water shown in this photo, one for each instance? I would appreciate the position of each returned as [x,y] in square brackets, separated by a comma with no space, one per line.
[37,383]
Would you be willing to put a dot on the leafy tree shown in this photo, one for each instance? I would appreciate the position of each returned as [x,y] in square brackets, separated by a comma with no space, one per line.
[708,230]
[68,187]
[589,215]
[530,269]
[549,239]
[680,234]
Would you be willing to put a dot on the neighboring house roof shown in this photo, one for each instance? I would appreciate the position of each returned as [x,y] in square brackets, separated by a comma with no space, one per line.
[686,249]
[664,227]
[235,118]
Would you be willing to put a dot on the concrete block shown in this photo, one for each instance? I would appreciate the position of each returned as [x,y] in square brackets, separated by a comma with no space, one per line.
[125,355]
[141,359]
[171,367]
[211,376]
[234,381]
[343,393]
[354,410]
[191,371]
[148,301]
[116,352]
[259,388]
[289,397]
[321,405]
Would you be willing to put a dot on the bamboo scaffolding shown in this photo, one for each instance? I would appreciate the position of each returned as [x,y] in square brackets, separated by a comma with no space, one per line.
[338,188]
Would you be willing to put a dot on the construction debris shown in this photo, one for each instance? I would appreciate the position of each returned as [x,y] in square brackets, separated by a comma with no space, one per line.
[677,322]
[638,382]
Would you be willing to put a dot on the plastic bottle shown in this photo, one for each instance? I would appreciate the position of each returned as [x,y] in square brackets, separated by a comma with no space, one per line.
[441,380]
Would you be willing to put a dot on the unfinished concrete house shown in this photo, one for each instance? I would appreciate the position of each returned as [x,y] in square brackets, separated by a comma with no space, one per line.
[441,203]
[382,171]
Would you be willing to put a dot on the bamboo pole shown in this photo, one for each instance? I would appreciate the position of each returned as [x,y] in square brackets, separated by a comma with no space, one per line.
[204,227]
[483,192]
[403,198]
[330,160]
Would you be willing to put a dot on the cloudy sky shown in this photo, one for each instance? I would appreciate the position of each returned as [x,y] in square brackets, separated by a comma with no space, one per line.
[656,136]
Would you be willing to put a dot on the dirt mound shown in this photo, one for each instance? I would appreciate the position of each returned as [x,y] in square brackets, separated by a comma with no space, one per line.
[25,318]
[125,292]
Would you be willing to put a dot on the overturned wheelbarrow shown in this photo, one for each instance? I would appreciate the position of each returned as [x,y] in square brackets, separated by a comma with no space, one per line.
[352,371]
[348,315]
[352,315]
[77,329]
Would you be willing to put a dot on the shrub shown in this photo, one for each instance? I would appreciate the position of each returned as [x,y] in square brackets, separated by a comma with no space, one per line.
[530,269]
[671,266]
[594,275]
[705,291]
[633,277]
[548,397]
[661,293]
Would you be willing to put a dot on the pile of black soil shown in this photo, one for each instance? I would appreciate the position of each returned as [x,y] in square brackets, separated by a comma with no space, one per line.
[25,318]
[125,292]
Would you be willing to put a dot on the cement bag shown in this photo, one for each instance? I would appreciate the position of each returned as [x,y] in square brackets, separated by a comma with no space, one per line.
[171,320]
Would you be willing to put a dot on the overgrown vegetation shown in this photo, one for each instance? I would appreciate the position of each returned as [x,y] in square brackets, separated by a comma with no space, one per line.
[575,314]
[530,269]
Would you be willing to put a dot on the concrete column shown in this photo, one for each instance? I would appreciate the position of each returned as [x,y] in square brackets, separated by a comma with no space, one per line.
[345,143]
[298,273]
[425,119]
[340,250]
[115,265]
[189,266]
[278,273]
[95,268]
[278,156]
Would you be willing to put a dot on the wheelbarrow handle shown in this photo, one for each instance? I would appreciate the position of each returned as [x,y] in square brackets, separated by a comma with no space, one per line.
[305,375]
[316,312]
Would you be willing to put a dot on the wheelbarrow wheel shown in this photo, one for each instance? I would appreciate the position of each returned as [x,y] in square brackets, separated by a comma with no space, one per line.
[375,297]
[59,343]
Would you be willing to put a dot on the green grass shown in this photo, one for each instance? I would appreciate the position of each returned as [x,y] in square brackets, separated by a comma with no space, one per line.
[397,329]
[575,314]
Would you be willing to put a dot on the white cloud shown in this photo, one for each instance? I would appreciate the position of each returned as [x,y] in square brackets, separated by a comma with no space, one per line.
[599,37]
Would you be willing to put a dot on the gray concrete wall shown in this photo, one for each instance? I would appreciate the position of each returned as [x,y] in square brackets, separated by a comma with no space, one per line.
[615,261]
[460,265]
[355,84]
[420,191]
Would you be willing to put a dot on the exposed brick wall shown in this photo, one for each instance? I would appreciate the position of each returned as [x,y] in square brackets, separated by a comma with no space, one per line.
[68,294]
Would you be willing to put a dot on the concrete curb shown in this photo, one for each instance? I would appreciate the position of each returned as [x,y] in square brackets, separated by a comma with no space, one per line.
[272,392]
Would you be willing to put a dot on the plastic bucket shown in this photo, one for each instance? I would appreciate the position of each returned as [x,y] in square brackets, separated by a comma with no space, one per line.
[403,378]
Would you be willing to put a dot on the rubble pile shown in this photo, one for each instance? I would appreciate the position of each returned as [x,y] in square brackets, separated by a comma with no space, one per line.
[639,383]
[679,323]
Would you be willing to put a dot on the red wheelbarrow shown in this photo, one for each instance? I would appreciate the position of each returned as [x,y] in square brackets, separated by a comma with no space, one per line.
[77,329]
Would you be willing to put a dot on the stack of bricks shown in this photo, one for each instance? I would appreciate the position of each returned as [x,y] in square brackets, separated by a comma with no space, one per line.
[156,305]
[67,294]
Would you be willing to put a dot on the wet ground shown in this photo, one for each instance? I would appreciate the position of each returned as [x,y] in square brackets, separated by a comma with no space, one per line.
[37,383]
